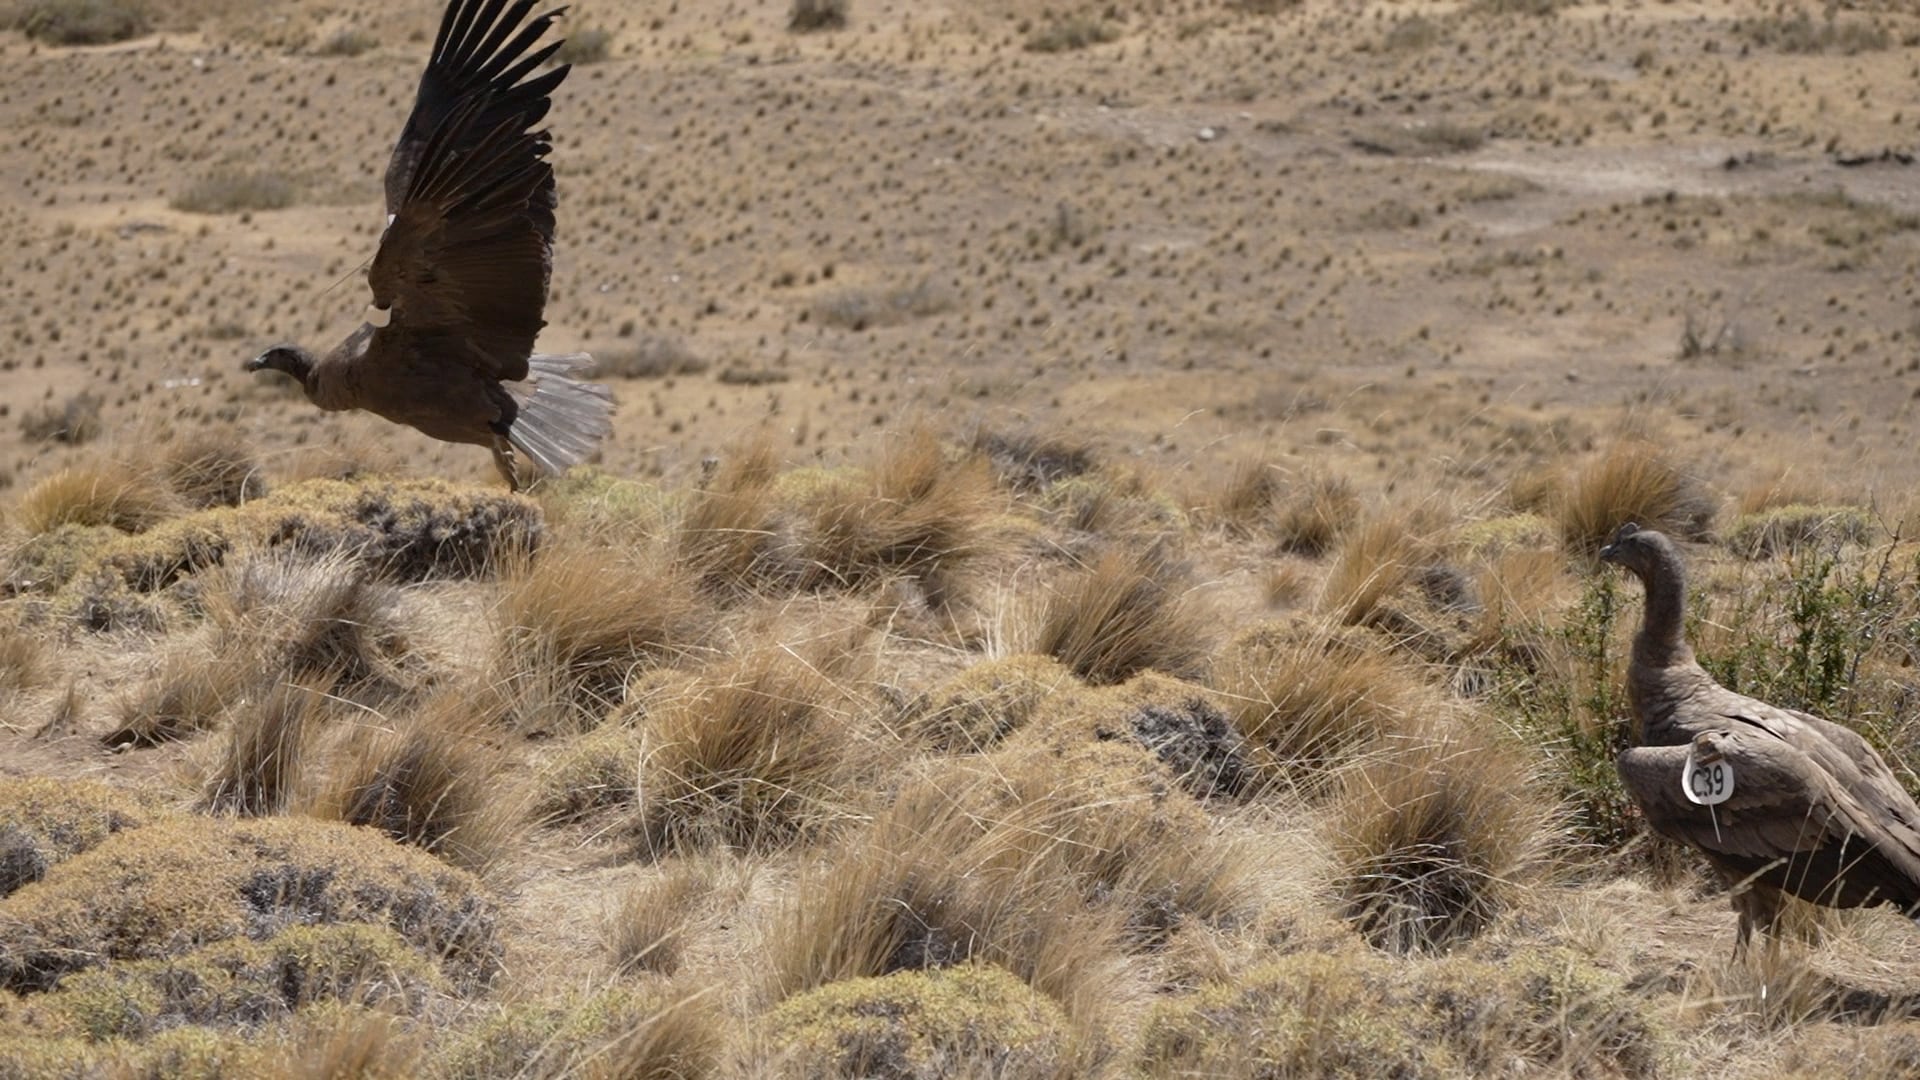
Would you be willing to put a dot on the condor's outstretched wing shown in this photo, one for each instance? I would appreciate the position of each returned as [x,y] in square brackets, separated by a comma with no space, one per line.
[484,49]
[462,270]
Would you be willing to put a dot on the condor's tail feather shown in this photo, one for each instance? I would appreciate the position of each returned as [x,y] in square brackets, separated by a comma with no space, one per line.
[562,421]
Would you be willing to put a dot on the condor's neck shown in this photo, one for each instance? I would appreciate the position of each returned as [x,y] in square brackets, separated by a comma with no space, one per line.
[1662,640]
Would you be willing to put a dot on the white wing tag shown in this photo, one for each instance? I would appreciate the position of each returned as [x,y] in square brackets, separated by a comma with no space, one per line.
[379,316]
[1707,785]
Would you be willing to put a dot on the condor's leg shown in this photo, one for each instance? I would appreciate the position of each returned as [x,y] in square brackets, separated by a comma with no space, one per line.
[503,460]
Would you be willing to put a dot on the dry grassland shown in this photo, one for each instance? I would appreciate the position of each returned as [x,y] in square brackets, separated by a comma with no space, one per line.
[1092,577]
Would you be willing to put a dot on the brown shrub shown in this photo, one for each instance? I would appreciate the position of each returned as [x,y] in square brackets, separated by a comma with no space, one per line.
[1315,512]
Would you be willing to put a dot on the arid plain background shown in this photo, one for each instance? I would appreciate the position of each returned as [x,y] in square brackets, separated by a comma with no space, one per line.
[1341,327]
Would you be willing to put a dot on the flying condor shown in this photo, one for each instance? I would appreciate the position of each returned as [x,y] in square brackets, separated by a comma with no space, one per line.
[460,278]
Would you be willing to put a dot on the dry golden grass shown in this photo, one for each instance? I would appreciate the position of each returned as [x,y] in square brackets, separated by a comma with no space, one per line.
[730,534]
[434,782]
[1316,512]
[23,656]
[266,749]
[577,622]
[283,615]
[187,692]
[1128,612]
[117,496]
[680,1037]
[764,751]
[1377,561]
[649,927]
[1437,836]
[918,516]
[1314,701]
[212,467]
[1632,481]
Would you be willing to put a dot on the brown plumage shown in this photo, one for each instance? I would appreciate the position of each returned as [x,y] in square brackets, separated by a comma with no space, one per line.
[460,278]
[1813,811]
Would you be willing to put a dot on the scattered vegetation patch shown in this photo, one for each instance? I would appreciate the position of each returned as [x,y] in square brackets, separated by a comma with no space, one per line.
[237,190]
[212,467]
[655,1034]
[809,15]
[653,356]
[649,927]
[732,534]
[1315,1014]
[860,309]
[74,422]
[1071,33]
[975,709]
[81,22]
[347,42]
[113,496]
[265,750]
[44,822]
[1028,462]
[589,45]
[970,1019]
[1800,32]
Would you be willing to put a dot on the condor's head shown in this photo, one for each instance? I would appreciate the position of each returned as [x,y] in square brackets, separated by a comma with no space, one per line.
[290,359]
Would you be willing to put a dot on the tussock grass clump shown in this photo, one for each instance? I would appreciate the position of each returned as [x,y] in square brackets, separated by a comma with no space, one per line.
[649,928]
[1435,838]
[1313,701]
[74,421]
[1111,503]
[434,783]
[212,467]
[650,1034]
[265,750]
[81,22]
[237,190]
[732,534]
[117,497]
[146,893]
[975,709]
[809,15]
[1315,513]
[762,751]
[1029,462]
[944,877]
[974,1019]
[595,771]
[1632,481]
[187,692]
[1377,560]
[1784,530]
[917,516]
[589,45]
[23,657]
[1070,34]
[1122,615]
[860,308]
[324,618]
[348,41]
[44,822]
[578,622]
[1316,1014]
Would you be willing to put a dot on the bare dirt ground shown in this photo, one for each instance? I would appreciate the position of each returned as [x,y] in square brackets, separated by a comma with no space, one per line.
[1431,248]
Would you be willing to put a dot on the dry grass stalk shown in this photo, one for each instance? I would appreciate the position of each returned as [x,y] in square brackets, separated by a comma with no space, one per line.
[1378,560]
[286,615]
[23,657]
[679,1039]
[212,467]
[1436,837]
[577,623]
[1244,501]
[1633,481]
[434,783]
[1318,510]
[1121,616]
[189,690]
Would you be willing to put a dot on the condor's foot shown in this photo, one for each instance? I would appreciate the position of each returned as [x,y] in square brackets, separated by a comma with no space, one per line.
[504,461]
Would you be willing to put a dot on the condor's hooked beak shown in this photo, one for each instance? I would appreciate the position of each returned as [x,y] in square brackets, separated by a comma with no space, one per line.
[258,363]
[1612,549]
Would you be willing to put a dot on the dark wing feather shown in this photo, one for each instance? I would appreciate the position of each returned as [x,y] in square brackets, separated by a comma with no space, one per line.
[481,50]
[464,263]
[1788,824]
